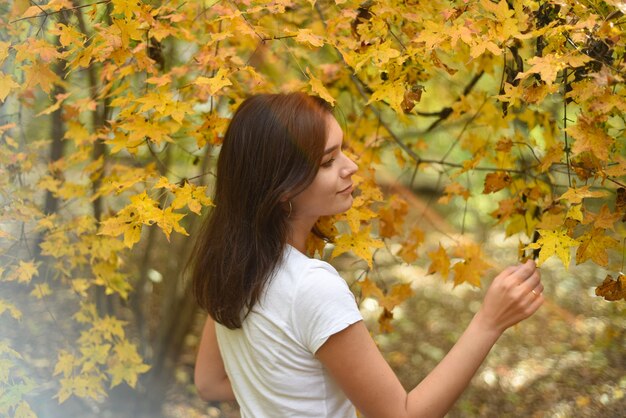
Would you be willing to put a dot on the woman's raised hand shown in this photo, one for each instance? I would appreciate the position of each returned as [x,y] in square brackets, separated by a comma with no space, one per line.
[514,295]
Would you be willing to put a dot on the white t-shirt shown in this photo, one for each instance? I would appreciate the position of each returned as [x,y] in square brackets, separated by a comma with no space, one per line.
[270,360]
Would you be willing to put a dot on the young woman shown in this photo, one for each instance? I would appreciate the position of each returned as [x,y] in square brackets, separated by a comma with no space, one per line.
[284,336]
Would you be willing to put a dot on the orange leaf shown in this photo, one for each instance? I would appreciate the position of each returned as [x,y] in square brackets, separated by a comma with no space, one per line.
[496,181]
[612,290]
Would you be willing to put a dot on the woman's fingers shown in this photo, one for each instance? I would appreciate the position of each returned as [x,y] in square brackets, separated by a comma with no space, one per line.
[532,282]
[523,272]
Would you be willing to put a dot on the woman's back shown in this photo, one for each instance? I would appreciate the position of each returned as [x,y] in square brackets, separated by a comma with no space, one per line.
[271,361]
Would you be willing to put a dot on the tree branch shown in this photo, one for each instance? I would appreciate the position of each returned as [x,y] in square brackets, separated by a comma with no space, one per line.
[46,14]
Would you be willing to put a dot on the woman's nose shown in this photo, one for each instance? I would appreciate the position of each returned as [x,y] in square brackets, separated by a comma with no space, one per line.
[350,168]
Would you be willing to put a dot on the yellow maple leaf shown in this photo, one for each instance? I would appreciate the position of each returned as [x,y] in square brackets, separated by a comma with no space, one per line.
[554,242]
[451,190]
[216,83]
[6,85]
[171,221]
[408,251]
[24,410]
[575,213]
[26,271]
[575,195]
[126,7]
[126,364]
[65,364]
[192,196]
[590,137]
[369,289]
[553,155]
[41,290]
[12,309]
[306,36]
[594,245]
[392,216]
[398,294]
[391,93]
[318,88]
[440,263]
[4,51]
[359,244]
[472,267]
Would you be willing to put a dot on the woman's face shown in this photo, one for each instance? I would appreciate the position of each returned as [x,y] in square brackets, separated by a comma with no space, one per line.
[330,192]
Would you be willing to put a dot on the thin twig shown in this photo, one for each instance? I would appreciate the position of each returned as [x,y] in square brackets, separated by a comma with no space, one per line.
[46,14]
[567,150]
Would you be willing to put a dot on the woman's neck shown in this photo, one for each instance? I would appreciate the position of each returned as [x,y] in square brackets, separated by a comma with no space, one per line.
[299,230]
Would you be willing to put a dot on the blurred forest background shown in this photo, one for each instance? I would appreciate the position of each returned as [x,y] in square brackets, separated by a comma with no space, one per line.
[486,132]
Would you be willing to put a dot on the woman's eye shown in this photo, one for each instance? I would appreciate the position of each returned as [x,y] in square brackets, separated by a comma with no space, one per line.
[328,163]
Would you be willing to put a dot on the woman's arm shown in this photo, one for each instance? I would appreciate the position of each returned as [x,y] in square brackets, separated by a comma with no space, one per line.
[209,375]
[352,358]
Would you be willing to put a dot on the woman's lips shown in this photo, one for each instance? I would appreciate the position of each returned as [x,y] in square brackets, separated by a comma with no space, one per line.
[346,190]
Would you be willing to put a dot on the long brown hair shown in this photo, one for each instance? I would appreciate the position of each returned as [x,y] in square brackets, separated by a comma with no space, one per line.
[271,150]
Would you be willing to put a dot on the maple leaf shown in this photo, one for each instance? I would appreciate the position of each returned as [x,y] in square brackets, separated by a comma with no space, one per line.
[65,364]
[318,88]
[369,289]
[388,300]
[575,195]
[24,410]
[590,137]
[216,83]
[127,364]
[575,212]
[553,155]
[451,190]
[440,263]
[192,196]
[392,217]
[26,271]
[604,219]
[4,51]
[306,36]
[594,245]
[554,242]
[391,93]
[6,85]
[12,309]
[359,244]
[612,289]
[41,290]
[398,294]
[357,215]
[408,251]
[169,221]
[472,267]
[496,181]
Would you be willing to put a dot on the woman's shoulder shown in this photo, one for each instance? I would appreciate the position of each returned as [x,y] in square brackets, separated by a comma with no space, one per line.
[305,265]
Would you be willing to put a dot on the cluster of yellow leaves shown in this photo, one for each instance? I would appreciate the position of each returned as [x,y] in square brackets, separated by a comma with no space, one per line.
[388,300]
[142,210]
[469,267]
[15,384]
[560,230]
[102,347]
